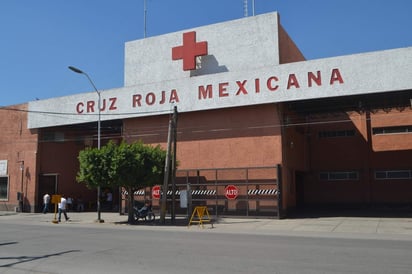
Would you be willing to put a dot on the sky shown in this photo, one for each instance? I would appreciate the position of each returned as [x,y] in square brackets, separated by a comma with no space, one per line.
[40,39]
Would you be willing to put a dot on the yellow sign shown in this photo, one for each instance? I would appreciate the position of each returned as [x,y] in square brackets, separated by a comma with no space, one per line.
[200,215]
[55,199]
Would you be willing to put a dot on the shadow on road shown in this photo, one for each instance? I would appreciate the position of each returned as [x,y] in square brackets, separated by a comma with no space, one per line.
[9,243]
[24,259]
[177,222]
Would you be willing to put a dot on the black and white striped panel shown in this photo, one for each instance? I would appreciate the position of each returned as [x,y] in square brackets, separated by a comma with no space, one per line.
[139,192]
[196,192]
[263,192]
[207,192]
[170,192]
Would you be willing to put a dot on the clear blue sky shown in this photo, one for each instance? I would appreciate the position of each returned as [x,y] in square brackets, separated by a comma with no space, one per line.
[40,38]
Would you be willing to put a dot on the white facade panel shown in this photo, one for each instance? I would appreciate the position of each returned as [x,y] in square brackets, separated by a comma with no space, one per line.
[232,46]
[241,68]
[340,76]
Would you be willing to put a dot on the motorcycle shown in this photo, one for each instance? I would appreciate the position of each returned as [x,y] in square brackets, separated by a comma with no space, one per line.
[144,212]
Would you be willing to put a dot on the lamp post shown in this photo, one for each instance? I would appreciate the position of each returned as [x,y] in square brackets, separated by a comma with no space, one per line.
[21,196]
[99,220]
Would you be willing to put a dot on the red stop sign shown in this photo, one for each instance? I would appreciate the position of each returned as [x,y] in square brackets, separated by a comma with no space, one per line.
[156,192]
[231,192]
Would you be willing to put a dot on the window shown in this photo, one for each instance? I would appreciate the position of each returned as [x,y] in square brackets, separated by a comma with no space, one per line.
[339,176]
[50,136]
[393,174]
[4,188]
[336,133]
[391,130]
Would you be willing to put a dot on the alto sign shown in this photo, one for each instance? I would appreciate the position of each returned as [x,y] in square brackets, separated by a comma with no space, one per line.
[156,192]
[231,192]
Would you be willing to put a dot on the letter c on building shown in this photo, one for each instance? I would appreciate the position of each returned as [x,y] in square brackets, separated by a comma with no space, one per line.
[80,108]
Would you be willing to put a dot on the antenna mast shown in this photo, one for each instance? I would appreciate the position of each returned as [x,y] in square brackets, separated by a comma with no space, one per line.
[144,18]
[245,8]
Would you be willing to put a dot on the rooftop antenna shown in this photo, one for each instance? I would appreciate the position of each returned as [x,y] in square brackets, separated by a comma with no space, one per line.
[144,18]
[245,8]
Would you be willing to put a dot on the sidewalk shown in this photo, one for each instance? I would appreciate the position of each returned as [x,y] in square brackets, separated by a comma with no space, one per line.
[372,226]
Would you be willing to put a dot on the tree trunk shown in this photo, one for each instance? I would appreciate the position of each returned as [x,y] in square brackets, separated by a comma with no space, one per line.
[130,204]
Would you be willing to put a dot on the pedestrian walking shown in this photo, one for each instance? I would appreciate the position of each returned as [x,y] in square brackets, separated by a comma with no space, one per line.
[62,208]
[46,202]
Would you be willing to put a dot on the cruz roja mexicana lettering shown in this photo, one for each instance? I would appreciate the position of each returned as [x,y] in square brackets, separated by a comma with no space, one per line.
[272,83]
[257,85]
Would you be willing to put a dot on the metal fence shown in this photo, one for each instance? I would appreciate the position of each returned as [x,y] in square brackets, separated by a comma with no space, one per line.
[249,191]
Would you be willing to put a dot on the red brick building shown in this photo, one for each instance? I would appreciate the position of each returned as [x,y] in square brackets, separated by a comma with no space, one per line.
[252,113]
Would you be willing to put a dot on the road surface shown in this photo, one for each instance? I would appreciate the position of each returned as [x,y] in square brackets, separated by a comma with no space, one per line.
[69,248]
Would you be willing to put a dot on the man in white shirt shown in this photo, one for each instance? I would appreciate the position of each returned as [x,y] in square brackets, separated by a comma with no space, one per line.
[62,208]
[46,201]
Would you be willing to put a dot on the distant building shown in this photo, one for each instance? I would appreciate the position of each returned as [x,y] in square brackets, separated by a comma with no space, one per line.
[253,114]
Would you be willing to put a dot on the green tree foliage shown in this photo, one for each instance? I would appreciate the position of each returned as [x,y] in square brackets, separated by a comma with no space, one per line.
[132,166]
[96,166]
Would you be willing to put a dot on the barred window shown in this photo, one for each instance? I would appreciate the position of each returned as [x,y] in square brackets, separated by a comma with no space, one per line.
[339,175]
[4,187]
[336,133]
[391,130]
[393,174]
[51,136]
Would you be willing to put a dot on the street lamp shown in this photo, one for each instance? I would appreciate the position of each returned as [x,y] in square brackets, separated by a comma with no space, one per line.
[99,220]
[21,196]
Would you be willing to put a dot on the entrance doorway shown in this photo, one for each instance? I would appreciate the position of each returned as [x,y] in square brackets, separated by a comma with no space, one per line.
[47,184]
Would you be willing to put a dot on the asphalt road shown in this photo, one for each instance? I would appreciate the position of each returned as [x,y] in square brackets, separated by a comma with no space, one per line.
[67,248]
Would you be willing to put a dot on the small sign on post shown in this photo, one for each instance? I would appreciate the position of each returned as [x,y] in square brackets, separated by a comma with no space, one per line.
[183,199]
[231,192]
[55,199]
[156,192]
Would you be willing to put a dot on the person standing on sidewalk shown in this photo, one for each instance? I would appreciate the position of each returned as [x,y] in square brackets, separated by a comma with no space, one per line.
[62,208]
[69,202]
[46,202]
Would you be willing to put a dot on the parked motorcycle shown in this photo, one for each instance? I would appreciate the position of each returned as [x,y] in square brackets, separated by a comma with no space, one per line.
[144,212]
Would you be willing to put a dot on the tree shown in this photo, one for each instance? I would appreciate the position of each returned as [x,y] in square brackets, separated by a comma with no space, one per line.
[132,166]
[139,166]
[96,166]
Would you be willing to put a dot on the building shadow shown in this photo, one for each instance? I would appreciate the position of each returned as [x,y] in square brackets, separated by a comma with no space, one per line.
[208,65]
[373,211]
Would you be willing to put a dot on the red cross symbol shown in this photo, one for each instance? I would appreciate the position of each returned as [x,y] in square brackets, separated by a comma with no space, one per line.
[189,50]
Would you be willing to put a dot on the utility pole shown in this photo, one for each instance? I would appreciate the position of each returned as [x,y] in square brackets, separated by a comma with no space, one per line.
[174,165]
[166,176]
[172,125]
